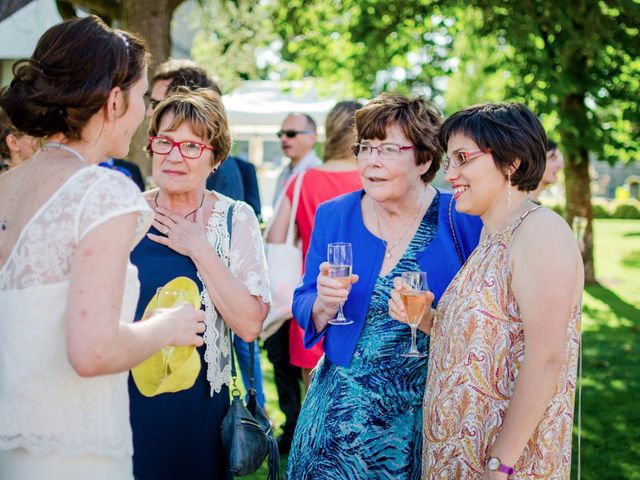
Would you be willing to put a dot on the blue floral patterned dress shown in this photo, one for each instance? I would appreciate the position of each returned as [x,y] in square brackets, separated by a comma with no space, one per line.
[365,421]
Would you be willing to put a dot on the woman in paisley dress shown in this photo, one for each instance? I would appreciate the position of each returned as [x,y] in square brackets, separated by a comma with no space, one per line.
[502,373]
[67,289]
[362,416]
[177,435]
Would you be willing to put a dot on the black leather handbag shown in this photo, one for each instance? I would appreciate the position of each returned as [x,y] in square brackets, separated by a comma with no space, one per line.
[247,436]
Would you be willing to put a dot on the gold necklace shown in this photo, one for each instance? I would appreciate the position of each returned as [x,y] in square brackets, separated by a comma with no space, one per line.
[389,250]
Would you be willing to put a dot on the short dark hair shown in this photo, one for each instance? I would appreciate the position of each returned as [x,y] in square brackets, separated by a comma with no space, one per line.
[418,119]
[511,131]
[310,121]
[65,82]
[184,73]
[551,145]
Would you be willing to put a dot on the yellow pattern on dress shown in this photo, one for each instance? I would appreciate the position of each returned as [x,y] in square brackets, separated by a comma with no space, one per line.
[477,345]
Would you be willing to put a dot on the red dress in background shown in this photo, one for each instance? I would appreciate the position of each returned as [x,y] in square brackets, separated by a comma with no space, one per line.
[317,186]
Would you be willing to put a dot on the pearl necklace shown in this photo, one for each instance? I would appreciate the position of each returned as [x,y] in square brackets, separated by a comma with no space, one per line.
[389,250]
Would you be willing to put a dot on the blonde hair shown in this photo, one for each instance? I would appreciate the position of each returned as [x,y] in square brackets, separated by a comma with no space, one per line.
[203,111]
[340,130]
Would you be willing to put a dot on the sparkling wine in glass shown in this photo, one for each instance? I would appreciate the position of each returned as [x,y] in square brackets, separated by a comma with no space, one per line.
[414,299]
[340,258]
[167,298]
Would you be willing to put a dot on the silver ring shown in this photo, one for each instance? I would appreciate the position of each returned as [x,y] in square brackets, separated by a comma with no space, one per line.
[166,232]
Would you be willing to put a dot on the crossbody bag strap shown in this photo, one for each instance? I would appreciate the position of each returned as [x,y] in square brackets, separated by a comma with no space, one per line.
[234,372]
[453,232]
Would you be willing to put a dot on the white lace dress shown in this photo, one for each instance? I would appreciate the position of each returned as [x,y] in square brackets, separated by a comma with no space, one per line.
[54,423]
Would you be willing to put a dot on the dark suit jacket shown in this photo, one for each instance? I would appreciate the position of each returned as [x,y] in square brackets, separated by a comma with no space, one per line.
[133,169]
[227,180]
[250,182]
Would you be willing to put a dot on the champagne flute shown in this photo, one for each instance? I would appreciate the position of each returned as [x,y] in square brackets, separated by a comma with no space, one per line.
[579,227]
[166,298]
[340,258]
[414,299]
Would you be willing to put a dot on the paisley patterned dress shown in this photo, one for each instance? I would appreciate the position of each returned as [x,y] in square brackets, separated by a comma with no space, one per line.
[476,351]
[365,421]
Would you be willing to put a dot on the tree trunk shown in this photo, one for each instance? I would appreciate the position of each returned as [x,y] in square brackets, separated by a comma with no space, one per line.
[151,20]
[577,179]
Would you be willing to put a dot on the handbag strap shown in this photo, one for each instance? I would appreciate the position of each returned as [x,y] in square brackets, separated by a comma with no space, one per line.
[234,372]
[294,209]
[453,232]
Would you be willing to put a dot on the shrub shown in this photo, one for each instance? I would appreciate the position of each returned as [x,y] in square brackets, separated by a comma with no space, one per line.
[627,210]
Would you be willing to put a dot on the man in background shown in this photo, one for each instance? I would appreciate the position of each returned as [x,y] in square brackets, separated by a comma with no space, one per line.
[297,138]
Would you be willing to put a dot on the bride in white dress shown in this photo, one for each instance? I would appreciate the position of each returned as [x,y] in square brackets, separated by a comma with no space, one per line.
[67,289]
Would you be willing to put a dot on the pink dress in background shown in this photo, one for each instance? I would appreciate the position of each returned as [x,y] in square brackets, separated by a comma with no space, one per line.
[317,186]
[477,346]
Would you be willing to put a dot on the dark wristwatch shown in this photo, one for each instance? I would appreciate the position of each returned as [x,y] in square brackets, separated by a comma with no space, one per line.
[495,465]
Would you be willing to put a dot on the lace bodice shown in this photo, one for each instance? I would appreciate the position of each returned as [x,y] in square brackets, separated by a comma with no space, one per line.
[45,406]
[246,259]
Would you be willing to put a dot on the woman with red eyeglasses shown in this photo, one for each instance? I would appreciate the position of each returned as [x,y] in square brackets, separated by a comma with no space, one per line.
[177,435]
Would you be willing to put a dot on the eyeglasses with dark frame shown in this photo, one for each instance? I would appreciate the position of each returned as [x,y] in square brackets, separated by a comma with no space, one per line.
[459,159]
[188,148]
[292,133]
[385,150]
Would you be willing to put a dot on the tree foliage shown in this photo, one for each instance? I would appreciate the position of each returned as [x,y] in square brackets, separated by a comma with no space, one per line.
[366,46]
[231,38]
[575,63]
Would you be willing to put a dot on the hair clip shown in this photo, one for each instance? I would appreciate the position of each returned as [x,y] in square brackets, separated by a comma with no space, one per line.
[124,39]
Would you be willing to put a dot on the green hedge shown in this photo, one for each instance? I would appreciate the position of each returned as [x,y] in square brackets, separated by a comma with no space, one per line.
[603,208]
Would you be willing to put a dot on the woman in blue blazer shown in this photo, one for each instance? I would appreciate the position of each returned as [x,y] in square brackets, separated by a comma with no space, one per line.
[362,417]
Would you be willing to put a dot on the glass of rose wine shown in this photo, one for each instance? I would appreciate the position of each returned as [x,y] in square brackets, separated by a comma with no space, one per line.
[340,258]
[415,302]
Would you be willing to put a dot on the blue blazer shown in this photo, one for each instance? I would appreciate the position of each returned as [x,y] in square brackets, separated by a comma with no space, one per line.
[340,220]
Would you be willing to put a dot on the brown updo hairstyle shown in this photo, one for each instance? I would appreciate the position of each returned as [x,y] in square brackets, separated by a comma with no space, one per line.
[203,111]
[416,117]
[340,130]
[70,75]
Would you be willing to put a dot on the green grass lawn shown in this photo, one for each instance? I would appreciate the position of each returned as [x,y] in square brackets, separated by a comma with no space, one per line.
[611,361]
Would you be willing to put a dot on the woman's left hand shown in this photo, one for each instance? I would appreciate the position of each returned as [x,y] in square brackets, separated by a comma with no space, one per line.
[180,234]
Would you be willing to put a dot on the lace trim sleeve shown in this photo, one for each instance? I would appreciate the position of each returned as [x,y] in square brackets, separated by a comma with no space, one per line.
[247,258]
[111,195]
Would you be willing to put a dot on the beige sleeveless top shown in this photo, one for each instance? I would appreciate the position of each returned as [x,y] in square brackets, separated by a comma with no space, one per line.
[477,346]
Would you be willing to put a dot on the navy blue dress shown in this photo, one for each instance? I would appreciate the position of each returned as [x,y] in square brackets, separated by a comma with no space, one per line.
[176,436]
[364,421]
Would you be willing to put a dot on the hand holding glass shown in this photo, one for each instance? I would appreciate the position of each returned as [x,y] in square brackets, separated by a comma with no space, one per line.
[340,258]
[414,296]
[168,298]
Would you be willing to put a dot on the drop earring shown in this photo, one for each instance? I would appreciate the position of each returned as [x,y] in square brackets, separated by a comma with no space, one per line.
[509,191]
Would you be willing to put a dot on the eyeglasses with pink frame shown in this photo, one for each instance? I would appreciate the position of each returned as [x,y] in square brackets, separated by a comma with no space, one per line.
[459,159]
